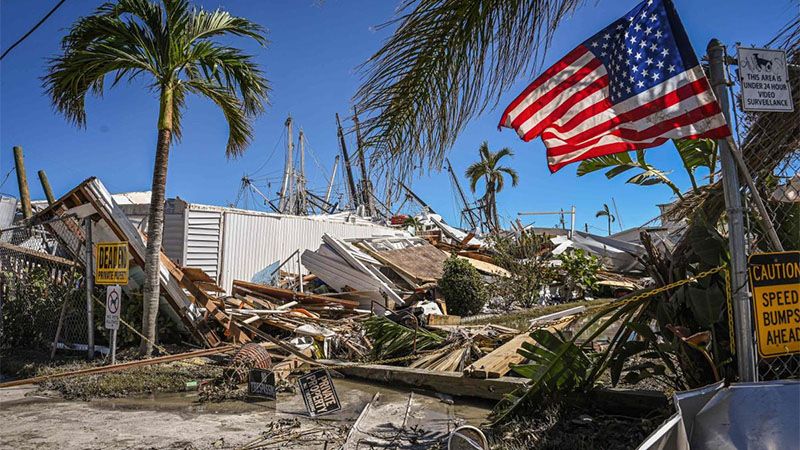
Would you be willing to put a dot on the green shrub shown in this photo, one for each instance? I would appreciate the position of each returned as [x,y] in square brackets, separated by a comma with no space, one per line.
[580,271]
[462,287]
[529,272]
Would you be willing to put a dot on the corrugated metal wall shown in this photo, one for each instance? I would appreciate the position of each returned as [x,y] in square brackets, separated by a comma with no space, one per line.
[203,239]
[252,242]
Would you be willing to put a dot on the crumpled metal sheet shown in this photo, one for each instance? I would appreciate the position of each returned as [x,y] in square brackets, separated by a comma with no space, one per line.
[763,415]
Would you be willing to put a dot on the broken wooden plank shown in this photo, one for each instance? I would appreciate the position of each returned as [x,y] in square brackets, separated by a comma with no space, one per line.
[121,366]
[452,383]
[38,255]
[289,295]
[498,363]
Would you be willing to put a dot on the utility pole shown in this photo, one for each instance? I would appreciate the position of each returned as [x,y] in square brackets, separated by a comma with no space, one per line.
[559,213]
[22,182]
[351,185]
[366,183]
[743,328]
[287,169]
[48,191]
[333,177]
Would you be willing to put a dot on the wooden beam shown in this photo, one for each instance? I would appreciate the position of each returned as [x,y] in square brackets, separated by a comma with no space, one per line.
[120,367]
[37,255]
[289,295]
[498,363]
[452,383]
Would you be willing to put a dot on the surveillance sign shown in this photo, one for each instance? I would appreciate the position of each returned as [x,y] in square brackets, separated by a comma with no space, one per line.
[764,80]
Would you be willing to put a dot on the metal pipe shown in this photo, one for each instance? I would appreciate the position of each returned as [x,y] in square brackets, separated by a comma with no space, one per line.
[743,325]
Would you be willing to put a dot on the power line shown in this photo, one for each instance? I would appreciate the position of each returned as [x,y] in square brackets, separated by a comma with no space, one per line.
[25,36]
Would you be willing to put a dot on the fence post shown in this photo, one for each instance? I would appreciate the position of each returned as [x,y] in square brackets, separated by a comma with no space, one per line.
[89,263]
[745,349]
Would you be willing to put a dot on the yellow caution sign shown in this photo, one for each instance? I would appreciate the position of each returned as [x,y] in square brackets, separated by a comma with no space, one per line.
[111,263]
[775,284]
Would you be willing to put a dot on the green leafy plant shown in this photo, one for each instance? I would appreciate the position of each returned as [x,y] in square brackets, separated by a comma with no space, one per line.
[528,270]
[694,154]
[579,269]
[462,287]
[390,339]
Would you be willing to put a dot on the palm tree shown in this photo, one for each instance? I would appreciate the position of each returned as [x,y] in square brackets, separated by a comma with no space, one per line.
[446,62]
[174,48]
[606,212]
[492,173]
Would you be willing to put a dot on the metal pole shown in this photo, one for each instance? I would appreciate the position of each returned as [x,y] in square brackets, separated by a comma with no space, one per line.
[745,349]
[113,346]
[287,169]
[333,177]
[89,289]
[300,270]
[22,182]
[572,223]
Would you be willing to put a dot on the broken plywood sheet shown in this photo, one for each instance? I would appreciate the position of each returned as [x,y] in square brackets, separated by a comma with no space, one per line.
[498,363]
[486,267]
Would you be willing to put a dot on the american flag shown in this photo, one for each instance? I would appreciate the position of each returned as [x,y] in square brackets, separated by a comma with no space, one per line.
[635,84]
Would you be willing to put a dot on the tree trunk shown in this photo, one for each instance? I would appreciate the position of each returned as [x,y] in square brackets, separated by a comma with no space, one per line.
[155,226]
[495,216]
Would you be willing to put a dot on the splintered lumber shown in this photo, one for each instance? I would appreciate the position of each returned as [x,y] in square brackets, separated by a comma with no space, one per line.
[452,383]
[123,366]
[289,295]
[499,362]
[204,300]
[37,255]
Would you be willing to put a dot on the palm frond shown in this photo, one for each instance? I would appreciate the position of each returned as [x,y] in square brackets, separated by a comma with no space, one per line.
[173,45]
[240,130]
[446,62]
[604,162]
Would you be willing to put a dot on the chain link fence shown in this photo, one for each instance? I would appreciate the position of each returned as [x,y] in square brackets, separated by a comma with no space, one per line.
[770,145]
[42,291]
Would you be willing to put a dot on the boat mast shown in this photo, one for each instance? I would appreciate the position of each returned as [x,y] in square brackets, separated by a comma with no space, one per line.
[301,181]
[287,170]
[366,184]
[351,185]
[333,177]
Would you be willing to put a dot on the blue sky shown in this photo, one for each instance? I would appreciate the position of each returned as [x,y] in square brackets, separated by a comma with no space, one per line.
[311,61]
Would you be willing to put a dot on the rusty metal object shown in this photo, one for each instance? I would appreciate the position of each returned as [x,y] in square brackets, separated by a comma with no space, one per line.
[249,356]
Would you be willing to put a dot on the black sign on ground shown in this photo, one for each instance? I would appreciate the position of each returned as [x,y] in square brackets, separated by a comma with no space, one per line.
[319,394]
[261,384]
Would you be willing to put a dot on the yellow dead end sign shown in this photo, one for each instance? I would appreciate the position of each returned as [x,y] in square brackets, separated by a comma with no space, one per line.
[775,283]
[111,263]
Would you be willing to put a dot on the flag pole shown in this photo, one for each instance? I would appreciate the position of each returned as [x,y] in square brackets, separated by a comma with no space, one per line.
[743,328]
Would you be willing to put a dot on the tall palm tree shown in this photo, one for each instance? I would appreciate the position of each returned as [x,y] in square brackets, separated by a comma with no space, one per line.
[445,62]
[607,213]
[492,173]
[173,47]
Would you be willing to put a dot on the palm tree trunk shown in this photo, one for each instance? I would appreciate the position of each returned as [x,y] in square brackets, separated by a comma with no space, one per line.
[495,217]
[155,226]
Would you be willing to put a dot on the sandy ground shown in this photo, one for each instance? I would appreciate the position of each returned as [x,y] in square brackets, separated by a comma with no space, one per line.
[177,421]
